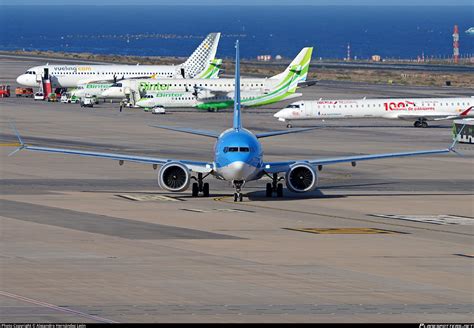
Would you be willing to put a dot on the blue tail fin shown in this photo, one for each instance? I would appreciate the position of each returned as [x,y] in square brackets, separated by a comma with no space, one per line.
[237,118]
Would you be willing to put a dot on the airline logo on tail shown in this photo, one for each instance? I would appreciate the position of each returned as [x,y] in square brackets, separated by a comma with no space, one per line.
[300,66]
[212,70]
[198,62]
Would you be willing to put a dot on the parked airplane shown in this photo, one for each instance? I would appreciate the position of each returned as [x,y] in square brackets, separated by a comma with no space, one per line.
[73,75]
[238,157]
[217,94]
[101,90]
[420,110]
[202,87]
[133,89]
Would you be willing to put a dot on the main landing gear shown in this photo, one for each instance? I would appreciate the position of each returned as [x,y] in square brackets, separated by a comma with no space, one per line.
[420,124]
[274,186]
[238,197]
[200,187]
[289,126]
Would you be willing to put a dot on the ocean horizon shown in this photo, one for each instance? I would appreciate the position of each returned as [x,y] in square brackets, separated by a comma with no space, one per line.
[398,32]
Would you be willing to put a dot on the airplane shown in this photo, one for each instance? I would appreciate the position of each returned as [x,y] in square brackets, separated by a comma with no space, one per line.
[200,85]
[420,110]
[213,95]
[133,89]
[69,76]
[238,157]
[101,90]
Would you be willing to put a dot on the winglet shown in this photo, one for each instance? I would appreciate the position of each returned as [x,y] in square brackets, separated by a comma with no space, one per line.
[466,111]
[22,145]
[237,118]
[456,140]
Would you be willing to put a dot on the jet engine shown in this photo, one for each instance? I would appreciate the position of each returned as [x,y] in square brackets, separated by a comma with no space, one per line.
[174,176]
[301,177]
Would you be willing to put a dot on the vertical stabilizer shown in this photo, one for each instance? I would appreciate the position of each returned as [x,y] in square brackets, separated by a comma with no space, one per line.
[199,61]
[301,63]
[237,118]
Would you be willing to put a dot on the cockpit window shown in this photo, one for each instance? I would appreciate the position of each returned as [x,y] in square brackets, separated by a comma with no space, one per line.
[236,149]
[293,106]
[117,85]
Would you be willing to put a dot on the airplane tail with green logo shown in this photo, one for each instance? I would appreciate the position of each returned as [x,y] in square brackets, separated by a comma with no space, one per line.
[300,63]
[211,71]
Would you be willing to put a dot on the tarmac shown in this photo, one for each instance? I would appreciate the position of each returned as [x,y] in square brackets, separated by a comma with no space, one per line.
[88,240]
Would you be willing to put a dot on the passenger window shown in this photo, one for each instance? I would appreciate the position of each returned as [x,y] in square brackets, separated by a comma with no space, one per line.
[244,149]
[233,149]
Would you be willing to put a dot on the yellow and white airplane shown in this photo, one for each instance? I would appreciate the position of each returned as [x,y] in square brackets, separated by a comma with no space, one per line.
[71,76]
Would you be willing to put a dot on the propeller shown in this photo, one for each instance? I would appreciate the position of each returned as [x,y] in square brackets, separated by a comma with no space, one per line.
[196,90]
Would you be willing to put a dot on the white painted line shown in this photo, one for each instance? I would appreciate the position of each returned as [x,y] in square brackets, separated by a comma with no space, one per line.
[55,307]
[145,198]
[433,219]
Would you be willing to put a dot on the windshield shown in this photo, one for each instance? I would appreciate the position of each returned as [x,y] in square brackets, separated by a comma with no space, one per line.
[117,85]
[293,106]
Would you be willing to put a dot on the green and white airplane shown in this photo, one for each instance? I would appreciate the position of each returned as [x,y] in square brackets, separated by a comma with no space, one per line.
[217,94]
[117,90]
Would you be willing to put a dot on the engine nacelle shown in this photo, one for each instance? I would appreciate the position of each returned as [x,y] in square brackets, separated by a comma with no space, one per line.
[301,177]
[174,176]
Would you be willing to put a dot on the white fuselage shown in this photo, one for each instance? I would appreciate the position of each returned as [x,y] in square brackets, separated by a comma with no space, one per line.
[399,108]
[90,90]
[197,86]
[71,76]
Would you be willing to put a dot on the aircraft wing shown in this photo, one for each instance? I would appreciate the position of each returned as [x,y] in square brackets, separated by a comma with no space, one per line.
[214,93]
[276,167]
[195,166]
[307,83]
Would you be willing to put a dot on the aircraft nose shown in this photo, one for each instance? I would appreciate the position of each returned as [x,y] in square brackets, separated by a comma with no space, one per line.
[281,114]
[21,79]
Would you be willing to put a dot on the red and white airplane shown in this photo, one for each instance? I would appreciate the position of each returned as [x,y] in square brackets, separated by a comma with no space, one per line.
[419,110]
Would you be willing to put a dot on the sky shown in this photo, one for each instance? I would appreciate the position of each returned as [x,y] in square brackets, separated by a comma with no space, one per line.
[242,2]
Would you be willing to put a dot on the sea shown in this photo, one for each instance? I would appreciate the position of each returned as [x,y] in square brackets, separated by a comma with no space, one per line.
[398,32]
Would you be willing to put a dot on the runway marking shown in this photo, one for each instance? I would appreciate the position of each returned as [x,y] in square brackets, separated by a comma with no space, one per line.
[223,199]
[197,210]
[10,144]
[145,198]
[344,231]
[57,308]
[433,219]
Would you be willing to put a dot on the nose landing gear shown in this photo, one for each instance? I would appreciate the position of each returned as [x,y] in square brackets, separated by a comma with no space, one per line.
[238,197]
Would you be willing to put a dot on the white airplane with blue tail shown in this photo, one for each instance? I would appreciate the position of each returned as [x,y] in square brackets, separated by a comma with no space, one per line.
[238,158]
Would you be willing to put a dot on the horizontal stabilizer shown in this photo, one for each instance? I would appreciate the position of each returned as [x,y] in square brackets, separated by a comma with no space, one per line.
[210,134]
[277,133]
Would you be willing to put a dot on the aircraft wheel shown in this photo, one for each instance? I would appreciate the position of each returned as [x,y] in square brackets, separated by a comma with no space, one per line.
[280,190]
[236,196]
[195,189]
[241,197]
[417,124]
[424,124]
[205,190]
[268,190]
[289,126]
